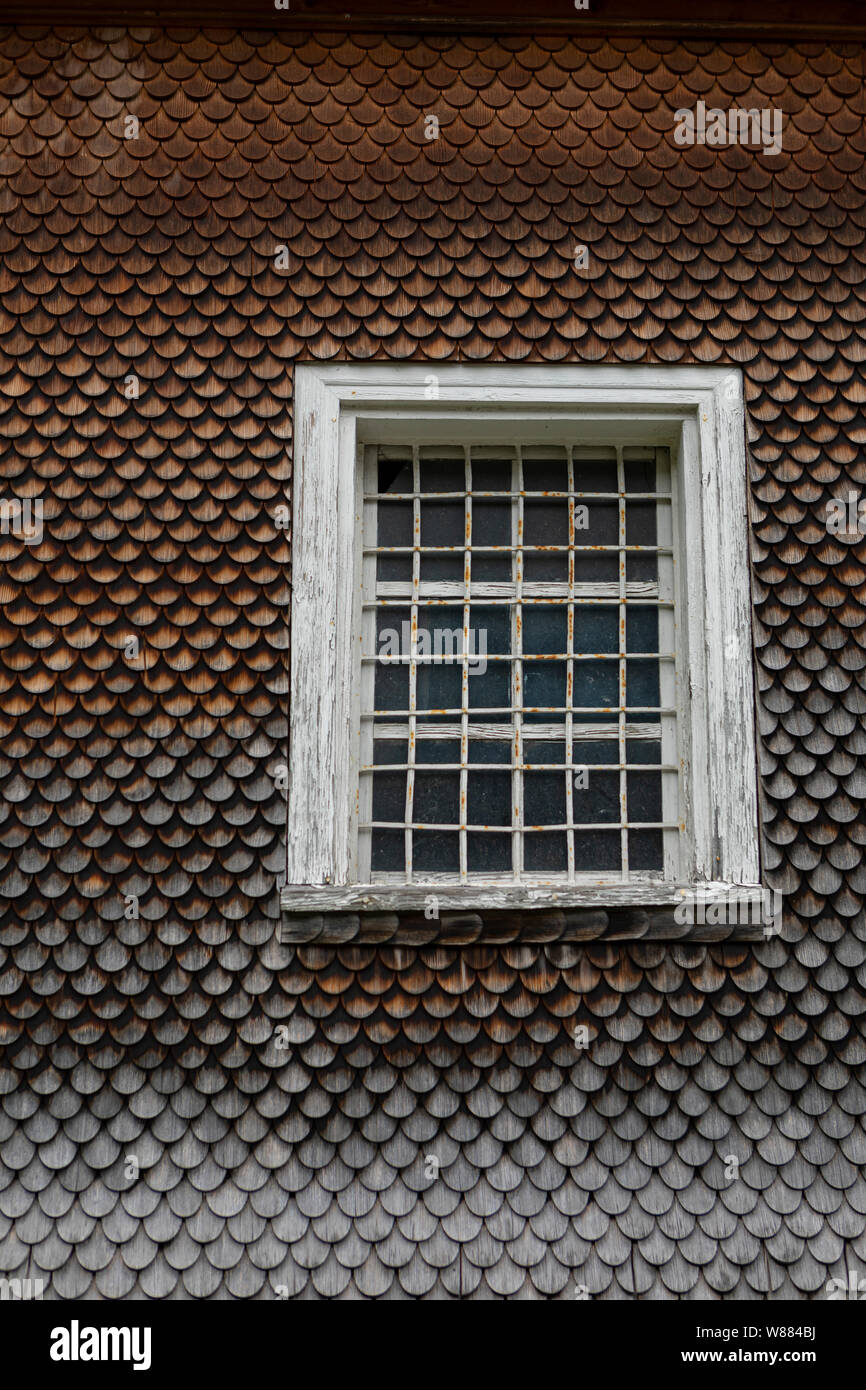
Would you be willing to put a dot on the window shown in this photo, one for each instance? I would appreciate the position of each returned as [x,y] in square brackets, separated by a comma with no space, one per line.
[517,682]
[521,658]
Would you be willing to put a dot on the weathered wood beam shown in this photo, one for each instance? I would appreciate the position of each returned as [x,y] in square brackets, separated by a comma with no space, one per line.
[780,19]
[502,896]
[499,927]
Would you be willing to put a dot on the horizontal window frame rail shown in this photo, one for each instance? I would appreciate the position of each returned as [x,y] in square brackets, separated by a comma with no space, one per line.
[524,709]
[498,599]
[521,767]
[644,891]
[501,657]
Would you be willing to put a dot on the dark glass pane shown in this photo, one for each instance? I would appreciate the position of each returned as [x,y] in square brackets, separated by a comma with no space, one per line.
[437,798]
[640,529]
[639,474]
[641,566]
[492,688]
[436,750]
[488,799]
[491,522]
[443,523]
[394,524]
[581,514]
[596,851]
[389,796]
[391,618]
[545,523]
[394,527]
[492,626]
[644,796]
[391,688]
[593,568]
[544,798]
[544,683]
[638,750]
[442,475]
[543,751]
[603,528]
[389,750]
[598,801]
[545,568]
[640,523]
[395,474]
[488,854]
[393,634]
[387,851]
[394,569]
[439,569]
[596,629]
[489,751]
[545,629]
[589,751]
[544,474]
[596,683]
[492,569]
[645,849]
[642,629]
[436,851]
[642,686]
[595,475]
[440,634]
[545,853]
[491,475]
[438,687]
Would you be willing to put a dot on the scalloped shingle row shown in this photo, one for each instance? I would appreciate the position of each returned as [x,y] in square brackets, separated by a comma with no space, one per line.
[408,1123]
[150,777]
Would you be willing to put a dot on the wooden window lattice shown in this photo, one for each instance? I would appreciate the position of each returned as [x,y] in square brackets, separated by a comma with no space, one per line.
[553,755]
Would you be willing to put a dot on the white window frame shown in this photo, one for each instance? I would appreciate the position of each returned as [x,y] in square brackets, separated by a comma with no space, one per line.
[697,412]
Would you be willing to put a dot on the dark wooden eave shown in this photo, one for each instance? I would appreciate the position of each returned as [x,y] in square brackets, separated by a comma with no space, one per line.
[773,19]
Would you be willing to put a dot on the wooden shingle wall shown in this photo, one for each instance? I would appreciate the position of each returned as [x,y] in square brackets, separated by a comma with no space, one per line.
[150,779]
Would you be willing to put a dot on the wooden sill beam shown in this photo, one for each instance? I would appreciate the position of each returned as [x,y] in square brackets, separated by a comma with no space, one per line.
[389,915]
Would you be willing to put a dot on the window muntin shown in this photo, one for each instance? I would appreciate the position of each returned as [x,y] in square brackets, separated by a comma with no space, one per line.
[518,667]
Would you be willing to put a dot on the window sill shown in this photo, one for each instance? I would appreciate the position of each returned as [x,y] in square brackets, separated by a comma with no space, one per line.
[438,913]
